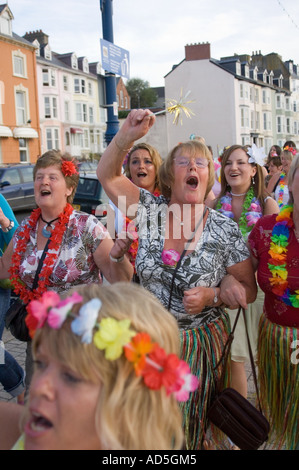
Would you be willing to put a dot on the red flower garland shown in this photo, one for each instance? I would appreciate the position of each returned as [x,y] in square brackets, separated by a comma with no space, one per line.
[55,242]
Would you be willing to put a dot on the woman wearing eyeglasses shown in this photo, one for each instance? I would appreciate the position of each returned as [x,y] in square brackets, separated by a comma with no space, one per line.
[178,220]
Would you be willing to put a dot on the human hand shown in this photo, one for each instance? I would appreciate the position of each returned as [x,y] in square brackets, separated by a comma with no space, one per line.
[121,245]
[196,298]
[136,125]
[232,292]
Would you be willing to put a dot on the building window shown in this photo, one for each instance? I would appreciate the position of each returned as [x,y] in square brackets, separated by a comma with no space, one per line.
[267,121]
[91,115]
[67,138]
[90,89]
[244,117]
[21,108]
[48,52]
[50,107]
[49,77]
[23,149]
[19,64]
[288,125]
[74,60]
[52,135]
[280,125]
[67,110]
[86,139]
[65,83]
[81,112]
[79,86]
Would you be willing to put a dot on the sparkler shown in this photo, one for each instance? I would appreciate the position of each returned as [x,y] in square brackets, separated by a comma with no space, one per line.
[177,107]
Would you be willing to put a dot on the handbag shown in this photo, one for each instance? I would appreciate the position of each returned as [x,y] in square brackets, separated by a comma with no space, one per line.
[232,413]
[17,312]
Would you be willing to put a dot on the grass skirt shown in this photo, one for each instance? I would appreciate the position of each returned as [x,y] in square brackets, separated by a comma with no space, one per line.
[201,348]
[279,381]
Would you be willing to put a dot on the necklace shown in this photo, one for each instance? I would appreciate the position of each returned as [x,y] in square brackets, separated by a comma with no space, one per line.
[278,257]
[47,233]
[233,194]
[282,183]
[19,287]
[251,211]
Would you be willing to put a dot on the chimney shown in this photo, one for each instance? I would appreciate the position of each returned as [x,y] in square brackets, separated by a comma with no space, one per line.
[198,51]
[42,37]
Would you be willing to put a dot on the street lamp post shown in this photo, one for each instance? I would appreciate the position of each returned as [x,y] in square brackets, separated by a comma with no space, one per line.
[110,80]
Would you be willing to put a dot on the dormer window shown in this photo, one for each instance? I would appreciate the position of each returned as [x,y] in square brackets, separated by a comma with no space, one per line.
[74,62]
[48,52]
[6,18]
[238,68]
[85,65]
[246,71]
[265,75]
[37,45]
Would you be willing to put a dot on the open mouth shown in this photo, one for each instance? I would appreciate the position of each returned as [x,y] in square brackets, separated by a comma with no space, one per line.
[45,192]
[141,174]
[39,423]
[192,181]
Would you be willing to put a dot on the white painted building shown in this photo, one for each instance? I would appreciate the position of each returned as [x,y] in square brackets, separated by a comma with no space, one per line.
[236,100]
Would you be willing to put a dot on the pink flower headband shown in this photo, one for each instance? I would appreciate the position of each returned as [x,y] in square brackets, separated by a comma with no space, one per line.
[290,149]
[68,168]
[115,337]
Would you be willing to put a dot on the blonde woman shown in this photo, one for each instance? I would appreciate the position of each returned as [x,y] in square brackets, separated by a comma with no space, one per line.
[86,392]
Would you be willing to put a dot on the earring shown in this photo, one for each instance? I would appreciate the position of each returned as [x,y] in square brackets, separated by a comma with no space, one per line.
[253,182]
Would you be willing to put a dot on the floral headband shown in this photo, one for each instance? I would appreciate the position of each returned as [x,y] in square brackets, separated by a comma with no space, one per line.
[256,155]
[290,149]
[69,168]
[115,337]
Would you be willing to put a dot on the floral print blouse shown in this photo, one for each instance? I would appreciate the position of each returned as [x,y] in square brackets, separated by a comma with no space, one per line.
[75,264]
[220,246]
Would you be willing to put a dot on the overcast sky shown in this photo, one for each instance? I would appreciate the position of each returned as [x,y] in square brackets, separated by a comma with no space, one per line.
[155,32]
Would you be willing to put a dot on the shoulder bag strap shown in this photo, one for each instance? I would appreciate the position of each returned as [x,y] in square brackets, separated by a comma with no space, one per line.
[225,356]
[40,264]
[183,254]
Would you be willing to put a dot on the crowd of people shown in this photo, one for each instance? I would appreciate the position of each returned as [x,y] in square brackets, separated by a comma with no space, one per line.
[140,351]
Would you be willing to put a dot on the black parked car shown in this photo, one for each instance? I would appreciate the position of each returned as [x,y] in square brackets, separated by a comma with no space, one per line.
[90,197]
[16,185]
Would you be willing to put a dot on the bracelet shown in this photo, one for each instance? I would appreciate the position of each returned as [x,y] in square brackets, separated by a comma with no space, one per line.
[11,225]
[117,260]
[120,148]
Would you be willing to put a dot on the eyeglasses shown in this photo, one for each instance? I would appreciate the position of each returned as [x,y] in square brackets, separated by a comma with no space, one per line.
[183,162]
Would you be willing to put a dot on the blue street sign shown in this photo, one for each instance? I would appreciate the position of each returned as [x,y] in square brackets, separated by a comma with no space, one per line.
[114,59]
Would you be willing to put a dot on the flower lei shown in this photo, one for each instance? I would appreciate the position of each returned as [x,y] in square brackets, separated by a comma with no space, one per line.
[115,337]
[22,241]
[278,261]
[251,211]
[282,183]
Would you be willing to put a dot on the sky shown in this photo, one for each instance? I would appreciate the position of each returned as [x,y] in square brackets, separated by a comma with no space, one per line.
[155,32]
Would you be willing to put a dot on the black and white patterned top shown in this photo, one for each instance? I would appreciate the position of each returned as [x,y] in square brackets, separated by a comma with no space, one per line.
[220,246]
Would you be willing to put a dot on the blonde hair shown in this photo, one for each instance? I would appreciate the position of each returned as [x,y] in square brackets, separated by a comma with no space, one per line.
[293,168]
[258,178]
[129,415]
[193,148]
[155,156]
[56,158]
